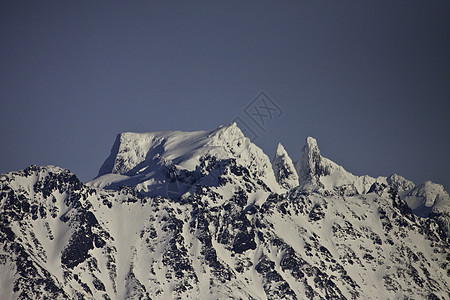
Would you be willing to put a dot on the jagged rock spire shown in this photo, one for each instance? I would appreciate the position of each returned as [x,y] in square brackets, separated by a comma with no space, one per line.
[284,169]
[309,166]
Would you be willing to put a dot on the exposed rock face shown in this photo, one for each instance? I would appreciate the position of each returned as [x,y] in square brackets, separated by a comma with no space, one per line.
[231,234]
[62,239]
[311,166]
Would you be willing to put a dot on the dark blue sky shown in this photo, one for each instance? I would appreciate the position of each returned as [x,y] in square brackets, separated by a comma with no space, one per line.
[369,79]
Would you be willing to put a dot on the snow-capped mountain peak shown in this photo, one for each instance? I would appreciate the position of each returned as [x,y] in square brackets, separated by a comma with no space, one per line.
[230,131]
[284,169]
[399,183]
[229,142]
[280,150]
[319,173]
[428,197]
[310,166]
[149,161]
[311,145]
[204,217]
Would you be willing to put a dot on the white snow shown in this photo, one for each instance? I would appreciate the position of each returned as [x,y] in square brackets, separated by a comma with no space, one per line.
[284,169]
[427,197]
[141,160]
[319,173]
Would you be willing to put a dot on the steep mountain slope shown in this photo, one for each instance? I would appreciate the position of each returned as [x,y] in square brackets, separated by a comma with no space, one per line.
[146,161]
[230,233]
[430,200]
[284,169]
[319,174]
[427,197]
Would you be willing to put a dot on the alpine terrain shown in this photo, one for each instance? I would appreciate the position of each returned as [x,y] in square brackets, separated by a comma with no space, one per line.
[207,215]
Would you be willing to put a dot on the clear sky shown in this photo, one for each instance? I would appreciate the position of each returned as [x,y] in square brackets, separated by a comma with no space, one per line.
[369,79]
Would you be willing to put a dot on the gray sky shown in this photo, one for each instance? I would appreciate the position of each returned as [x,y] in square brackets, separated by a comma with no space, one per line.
[369,79]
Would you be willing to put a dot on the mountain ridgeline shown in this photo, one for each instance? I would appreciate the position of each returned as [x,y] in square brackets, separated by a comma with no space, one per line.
[207,215]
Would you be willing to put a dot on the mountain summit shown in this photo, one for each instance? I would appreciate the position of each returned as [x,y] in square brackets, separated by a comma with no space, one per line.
[284,169]
[132,152]
[311,166]
[319,173]
[150,162]
[206,215]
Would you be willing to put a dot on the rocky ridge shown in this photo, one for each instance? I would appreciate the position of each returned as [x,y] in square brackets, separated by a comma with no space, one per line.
[216,219]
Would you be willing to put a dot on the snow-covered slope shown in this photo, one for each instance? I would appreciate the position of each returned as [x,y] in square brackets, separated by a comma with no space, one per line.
[284,169]
[399,183]
[201,215]
[174,162]
[64,240]
[426,198]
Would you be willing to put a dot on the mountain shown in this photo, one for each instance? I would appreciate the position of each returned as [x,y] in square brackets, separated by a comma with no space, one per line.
[206,215]
[427,197]
[283,167]
[319,173]
[175,162]
[430,199]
